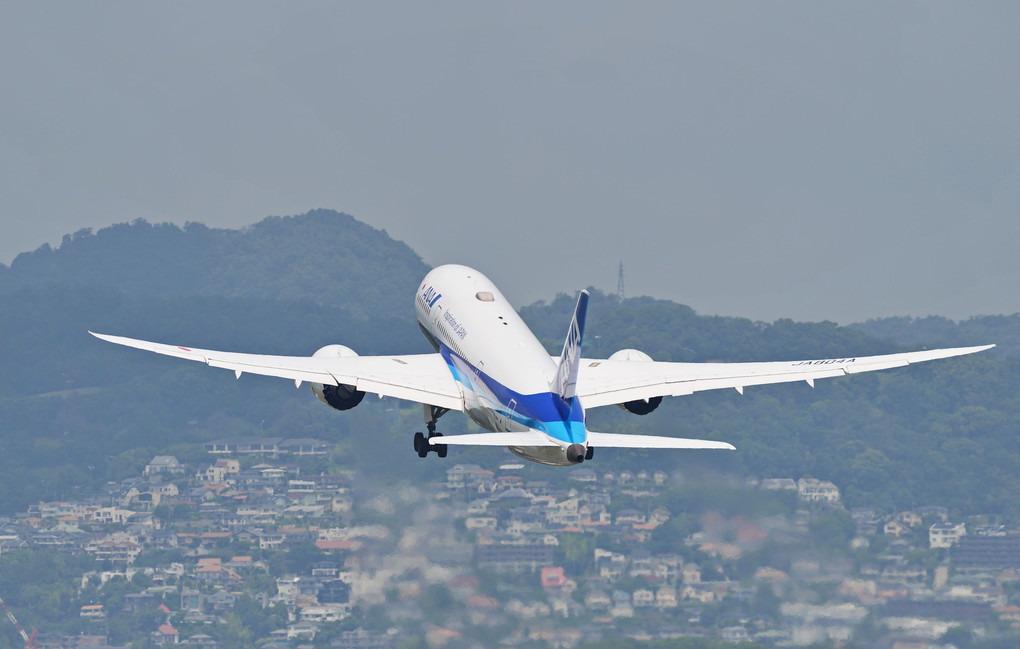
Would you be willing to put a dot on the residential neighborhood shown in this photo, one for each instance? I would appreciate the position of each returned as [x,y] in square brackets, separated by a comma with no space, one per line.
[248,548]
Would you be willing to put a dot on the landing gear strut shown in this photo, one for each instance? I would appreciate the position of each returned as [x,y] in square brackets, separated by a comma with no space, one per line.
[421,442]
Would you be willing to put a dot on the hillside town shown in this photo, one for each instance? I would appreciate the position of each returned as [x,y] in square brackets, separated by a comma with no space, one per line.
[245,548]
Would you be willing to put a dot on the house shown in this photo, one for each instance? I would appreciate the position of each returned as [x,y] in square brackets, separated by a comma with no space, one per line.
[610,565]
[93,612]
[630,517]
[268,446]
[327,613]
[817,491]
[553,577]
[944,535]
[221,601]
[643,598]
[303,630]
[480,523]
[597,600]
[703,593]
[135,603]
[166,634]
[910,519]
[513,553]
[896,528]
[163,464]
[594,514]
[334,592]
[287,587]
[622,604]
[112,515]
[666,597]
[462,476]
[583,475]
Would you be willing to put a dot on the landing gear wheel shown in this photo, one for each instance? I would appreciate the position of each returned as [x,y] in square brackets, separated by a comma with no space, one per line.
[441,449]
[589,453]
[421,445]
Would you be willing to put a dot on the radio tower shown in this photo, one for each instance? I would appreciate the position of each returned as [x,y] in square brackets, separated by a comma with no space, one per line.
[619,285]
[29,641]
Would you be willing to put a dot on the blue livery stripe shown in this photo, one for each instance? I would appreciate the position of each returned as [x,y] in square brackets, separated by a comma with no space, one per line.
[543,411]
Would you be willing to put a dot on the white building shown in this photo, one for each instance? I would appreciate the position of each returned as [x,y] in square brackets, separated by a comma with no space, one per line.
[817,491]
[944,535]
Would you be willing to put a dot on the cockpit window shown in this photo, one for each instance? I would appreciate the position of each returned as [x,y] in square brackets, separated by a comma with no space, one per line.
[484,296]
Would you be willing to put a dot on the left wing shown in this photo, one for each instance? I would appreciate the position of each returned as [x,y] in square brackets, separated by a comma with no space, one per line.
[424,378]
[608,382]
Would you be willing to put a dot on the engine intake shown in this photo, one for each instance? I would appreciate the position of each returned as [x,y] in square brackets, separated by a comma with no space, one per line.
[641,406]
[638,406]
[340,397]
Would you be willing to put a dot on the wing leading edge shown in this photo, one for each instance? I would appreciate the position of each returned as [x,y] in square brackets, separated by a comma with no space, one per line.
[609,382]
[424,378]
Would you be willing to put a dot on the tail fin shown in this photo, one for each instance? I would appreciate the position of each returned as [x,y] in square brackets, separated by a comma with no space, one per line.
[566,375]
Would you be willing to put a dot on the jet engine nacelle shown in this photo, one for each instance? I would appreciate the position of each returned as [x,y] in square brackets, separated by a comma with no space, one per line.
[639,406]
[341,397]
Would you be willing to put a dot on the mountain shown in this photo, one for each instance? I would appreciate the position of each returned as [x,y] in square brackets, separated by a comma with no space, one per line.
[325,256]
[75,412]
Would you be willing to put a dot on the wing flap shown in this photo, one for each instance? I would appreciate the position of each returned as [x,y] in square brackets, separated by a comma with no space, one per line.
[616,440]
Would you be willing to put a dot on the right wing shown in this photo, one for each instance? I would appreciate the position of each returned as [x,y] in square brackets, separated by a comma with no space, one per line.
[424,378]
[609,382]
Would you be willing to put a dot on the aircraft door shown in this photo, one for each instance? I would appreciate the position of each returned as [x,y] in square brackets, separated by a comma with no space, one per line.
[508,415]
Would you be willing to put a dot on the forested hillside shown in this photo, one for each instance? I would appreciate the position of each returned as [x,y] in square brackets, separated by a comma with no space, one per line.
[75,412]
[325,256]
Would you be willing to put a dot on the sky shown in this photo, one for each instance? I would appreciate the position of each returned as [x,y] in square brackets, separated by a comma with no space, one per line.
[814,161]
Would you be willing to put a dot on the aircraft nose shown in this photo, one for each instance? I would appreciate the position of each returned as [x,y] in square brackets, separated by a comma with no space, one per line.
[575,453]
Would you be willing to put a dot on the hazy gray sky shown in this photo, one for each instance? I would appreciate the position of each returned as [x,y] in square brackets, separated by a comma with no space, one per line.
[766,159]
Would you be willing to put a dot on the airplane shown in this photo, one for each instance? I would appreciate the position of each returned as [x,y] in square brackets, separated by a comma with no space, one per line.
[489,365]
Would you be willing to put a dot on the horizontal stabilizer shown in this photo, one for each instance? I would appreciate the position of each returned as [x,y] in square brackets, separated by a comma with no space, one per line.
[495,439]
[615,440]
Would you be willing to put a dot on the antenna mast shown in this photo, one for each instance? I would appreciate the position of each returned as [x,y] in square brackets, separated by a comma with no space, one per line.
[619,285]
[29,642]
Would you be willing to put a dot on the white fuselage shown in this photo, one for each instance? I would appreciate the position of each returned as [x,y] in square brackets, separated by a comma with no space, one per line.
[500,366]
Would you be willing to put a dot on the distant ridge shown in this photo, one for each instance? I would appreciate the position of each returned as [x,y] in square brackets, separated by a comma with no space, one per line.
[323,255]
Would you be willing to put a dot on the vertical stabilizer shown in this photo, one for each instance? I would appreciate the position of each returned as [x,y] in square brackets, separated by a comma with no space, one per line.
[566,374]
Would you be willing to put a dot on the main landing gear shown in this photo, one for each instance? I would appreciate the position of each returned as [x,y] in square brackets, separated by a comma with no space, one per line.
[421,442]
